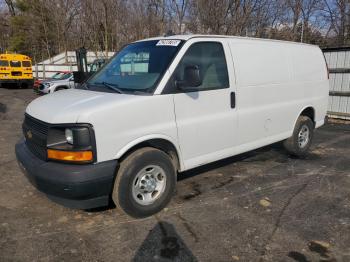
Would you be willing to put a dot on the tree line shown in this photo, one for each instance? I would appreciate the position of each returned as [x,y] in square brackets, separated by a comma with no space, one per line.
[44,28]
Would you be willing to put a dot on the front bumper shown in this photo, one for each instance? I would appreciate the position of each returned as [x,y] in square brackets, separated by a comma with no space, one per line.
[75,186]
[41,89]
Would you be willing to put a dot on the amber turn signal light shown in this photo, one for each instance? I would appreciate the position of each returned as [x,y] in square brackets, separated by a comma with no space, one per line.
[74,156]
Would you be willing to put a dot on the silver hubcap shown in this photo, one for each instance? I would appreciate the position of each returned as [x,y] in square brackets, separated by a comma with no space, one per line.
[303,136]
[148,185]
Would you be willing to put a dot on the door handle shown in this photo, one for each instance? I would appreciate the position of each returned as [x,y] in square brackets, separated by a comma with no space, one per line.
[233,99]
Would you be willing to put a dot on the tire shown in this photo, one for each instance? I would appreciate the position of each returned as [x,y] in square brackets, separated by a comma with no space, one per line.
[136,172]
[299,143]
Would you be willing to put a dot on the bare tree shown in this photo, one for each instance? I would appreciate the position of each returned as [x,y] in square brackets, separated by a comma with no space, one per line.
[42,28]
[337,12]
[209,16]
[178,10]
[11,7]
[63,18]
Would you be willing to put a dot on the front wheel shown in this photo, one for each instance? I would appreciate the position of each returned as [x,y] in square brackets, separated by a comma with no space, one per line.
[299,143]
[145,182]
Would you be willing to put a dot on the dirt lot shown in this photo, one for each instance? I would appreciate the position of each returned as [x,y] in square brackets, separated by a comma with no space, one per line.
[259,206]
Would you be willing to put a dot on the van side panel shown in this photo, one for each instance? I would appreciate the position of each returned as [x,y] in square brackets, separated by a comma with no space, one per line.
[275,82]
[265,92]
[308,63]
[310,74]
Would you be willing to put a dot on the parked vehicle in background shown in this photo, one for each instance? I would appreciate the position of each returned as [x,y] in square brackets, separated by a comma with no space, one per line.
[80,76]
[96,65]
[56,76]
[165,105]
[16,70]
[61,81]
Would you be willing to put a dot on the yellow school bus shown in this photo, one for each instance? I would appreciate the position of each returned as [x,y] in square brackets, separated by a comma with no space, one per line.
[16,69]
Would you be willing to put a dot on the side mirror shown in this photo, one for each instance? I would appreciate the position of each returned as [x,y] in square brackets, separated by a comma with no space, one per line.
[191,77]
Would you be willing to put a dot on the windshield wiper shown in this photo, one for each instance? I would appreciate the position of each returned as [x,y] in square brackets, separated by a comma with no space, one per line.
[112,86]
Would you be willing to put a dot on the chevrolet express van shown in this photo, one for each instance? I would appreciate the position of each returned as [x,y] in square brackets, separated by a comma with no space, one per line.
[165,105]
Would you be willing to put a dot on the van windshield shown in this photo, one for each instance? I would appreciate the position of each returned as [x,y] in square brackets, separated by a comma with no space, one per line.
[136,68]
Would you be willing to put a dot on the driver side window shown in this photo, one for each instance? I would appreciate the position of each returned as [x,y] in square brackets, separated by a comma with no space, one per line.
[209,58]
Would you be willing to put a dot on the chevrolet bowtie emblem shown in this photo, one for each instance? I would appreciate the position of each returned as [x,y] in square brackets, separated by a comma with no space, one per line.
[29,134]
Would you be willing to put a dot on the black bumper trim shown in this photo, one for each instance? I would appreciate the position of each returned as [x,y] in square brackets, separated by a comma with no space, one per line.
[17,81]
[74,186]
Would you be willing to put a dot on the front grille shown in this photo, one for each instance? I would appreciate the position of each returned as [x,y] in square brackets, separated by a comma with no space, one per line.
[35,132]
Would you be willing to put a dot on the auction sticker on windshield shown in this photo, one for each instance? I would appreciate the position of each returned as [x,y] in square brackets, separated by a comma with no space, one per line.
[168,42]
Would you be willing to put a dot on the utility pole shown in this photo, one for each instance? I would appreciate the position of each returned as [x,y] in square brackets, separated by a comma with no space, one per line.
[302,31]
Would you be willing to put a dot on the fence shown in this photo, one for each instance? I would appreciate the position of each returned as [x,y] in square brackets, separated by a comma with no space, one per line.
[338,60]
[43,71]
[65,61]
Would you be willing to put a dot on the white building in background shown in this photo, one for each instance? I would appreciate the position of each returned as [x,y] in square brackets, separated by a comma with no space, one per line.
[339,78]
[65,61]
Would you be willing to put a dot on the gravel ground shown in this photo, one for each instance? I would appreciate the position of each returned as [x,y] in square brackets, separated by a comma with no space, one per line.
[260,206]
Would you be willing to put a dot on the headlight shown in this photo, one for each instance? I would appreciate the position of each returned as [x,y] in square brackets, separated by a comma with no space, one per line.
[48,84]
[69,136]
[71,143]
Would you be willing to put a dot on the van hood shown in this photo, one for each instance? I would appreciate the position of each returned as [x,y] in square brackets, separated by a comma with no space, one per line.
[74,105]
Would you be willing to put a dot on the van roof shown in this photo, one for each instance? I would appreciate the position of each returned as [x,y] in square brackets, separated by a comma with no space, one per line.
[190,36]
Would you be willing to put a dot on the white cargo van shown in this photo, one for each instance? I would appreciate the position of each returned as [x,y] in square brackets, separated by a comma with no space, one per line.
[165,105]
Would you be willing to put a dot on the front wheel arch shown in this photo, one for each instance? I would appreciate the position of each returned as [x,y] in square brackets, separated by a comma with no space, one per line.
[161,143]
[308,111]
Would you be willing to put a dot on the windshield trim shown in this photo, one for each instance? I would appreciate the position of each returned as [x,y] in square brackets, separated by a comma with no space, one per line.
[140,91]
[182,43]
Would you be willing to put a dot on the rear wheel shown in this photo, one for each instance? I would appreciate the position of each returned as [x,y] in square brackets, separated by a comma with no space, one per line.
[299,143]
[145,182]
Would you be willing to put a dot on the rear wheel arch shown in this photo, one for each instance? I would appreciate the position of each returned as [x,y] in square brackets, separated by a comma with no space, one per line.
[308,111]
